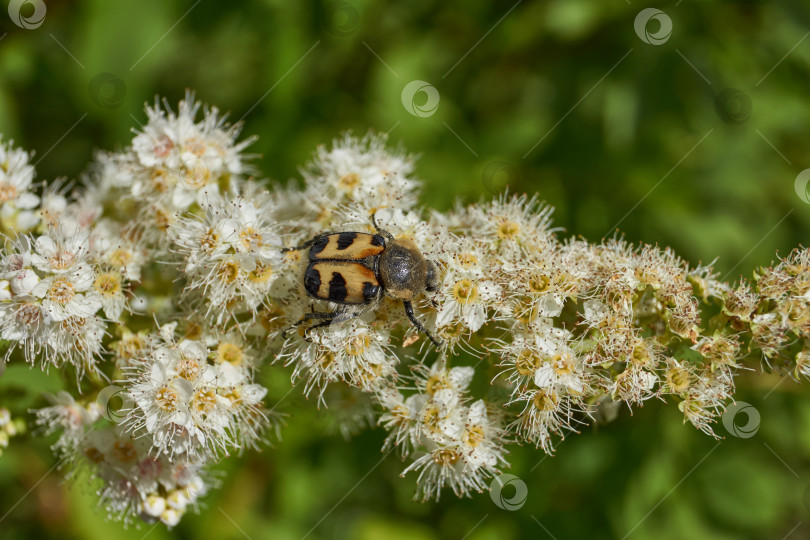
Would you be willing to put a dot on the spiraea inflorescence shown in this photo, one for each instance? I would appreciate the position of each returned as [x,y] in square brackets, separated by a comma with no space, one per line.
[171,281]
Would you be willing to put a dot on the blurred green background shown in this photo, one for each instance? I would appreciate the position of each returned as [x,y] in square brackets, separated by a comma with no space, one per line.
[562,98]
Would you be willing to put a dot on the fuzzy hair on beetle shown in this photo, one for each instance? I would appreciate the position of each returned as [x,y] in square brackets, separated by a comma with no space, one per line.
[355,270]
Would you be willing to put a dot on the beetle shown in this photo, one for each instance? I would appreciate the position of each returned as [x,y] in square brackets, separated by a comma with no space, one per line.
[356,269]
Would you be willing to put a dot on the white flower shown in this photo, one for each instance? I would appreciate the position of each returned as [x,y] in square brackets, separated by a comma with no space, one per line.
[563,369]
[63,295]
[16,201]
[231,255]
[67,416]
[361,171]
[350,351]
[60,253]
[187,160]
[481,440]
[190,406]
[464,298]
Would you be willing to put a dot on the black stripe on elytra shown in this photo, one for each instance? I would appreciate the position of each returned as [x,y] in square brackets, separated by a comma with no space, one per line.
[377,240]
[317,246]
[370,291]
[337,287]
[312,281]
[345,239]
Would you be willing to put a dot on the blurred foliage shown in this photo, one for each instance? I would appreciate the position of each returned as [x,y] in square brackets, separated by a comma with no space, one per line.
[561,97]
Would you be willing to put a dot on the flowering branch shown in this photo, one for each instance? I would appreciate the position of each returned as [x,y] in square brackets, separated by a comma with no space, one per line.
[172,275]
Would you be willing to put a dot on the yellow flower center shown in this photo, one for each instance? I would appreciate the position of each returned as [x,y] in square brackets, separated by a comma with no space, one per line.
[204,400]
[451,331]
[646,275]
[129,346]
[194,331]
[678,379]
[251,238]
[270,318]
[230,353]
[261,273]
[326,360]
[233,394]
[61,291]
[400,415]
[474,435]
[436,383]
[563,363]
[349,181]
[371,373]
[539,283]
[197,177]
[188,368]
[210,240]
[508,230]
[120,257]
[61,260]
[527,362]
[228,271]
[431,417]
[446,457]
[166,399]
[358,345]
[545,401]
[465,291]
[526,311]
[467,260]
[108,284]
[641,356]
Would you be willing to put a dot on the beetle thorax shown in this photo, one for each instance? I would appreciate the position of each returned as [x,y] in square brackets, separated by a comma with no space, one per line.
[403,270]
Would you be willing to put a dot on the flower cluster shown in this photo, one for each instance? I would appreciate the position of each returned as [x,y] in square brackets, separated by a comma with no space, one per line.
[191,401]
[136,483]
[50,295]
[231,255]
[174,280]
[459,444]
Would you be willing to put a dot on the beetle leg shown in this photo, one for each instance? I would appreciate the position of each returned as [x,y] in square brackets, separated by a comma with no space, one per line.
[326,319]
[417,324]
[305,245]
[308,317]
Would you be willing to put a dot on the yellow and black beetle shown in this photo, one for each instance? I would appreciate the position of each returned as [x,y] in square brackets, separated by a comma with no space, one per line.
[356,269]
